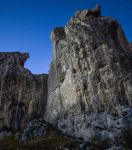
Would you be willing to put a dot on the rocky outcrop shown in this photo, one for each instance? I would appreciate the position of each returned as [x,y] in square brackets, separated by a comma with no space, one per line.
[23,96]
[35,128]
[90,80]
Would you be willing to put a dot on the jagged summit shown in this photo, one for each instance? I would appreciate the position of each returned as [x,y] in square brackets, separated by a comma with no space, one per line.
[59,32]
[95,12]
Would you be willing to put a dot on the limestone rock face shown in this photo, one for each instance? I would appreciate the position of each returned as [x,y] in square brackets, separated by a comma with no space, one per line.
[23,96]
[90,80]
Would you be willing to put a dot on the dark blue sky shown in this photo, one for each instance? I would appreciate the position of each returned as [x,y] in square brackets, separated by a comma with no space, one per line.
[25,25]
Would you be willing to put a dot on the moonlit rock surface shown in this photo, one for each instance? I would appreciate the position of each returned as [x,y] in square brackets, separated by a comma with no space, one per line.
[90,80]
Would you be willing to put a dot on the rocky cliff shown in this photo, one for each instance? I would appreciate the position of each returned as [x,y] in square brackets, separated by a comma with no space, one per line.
[89,85]
[90,80]
[23,96]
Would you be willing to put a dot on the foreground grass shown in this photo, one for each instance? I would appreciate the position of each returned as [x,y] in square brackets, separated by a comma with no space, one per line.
[53,140]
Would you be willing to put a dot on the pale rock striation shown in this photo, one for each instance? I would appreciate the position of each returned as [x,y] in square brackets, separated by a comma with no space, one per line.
[90,80]
[23,96]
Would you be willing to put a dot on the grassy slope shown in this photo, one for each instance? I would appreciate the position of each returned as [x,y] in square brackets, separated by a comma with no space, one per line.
[52,141]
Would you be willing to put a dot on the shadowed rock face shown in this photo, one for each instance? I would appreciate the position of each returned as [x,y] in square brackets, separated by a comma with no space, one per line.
[90,79]
[23,96]
[130,44]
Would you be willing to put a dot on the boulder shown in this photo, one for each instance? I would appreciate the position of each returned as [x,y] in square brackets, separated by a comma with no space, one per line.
[35,128]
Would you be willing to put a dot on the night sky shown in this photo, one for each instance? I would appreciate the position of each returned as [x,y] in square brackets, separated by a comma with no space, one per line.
[25,25]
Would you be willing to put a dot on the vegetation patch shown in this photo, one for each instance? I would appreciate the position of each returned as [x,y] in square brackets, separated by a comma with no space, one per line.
[53,140]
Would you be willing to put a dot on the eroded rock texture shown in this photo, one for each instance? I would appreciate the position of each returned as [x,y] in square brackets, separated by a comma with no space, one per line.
[90,80]
[23,96]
